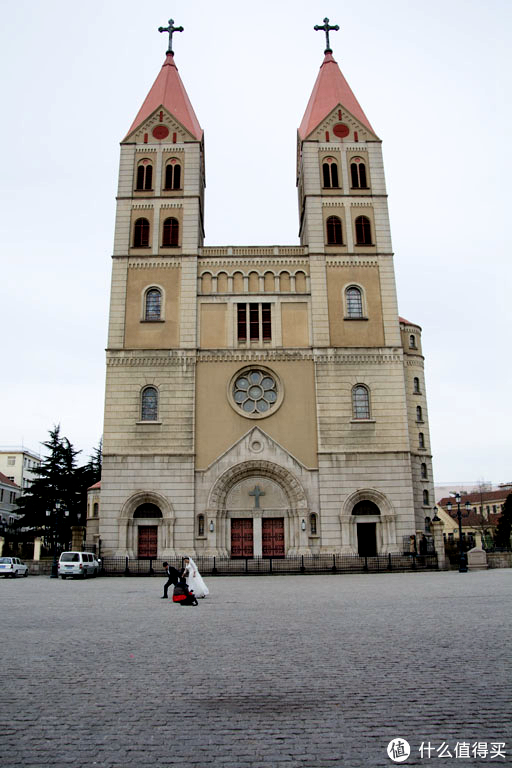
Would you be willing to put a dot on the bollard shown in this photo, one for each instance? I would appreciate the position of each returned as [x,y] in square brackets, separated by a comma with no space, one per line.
[302,568]
[214,569]
[151,571]
[126,568]
[333,569]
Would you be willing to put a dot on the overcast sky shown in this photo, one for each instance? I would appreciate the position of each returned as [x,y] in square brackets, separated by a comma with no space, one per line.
[432,78]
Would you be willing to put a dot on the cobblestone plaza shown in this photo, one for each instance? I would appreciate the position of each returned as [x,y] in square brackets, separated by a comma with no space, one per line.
[285,672]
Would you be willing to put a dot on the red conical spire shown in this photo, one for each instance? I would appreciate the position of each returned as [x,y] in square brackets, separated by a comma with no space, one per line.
[330,89]
[169,92]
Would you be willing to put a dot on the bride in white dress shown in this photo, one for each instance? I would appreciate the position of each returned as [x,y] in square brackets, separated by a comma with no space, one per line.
[193,578]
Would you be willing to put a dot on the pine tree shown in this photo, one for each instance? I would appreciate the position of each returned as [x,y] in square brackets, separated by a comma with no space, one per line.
[55,492]
[504,527]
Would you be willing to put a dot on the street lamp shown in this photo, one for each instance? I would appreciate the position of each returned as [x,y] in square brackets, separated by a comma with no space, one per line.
[463,565]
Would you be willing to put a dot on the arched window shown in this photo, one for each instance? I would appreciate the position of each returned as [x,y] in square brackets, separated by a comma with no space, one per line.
[419,413]
[354,301]
[423,471]
[358,174]
[421,440]
[149,404]
[363,231]
[330,173]
[313,524]
[147,511]
[144,175]
[200,525]
[141,233]
[334,231]
[173,175]
[416,385]
[153,304]
[171,232]
[412,341]
[365,507]
[425,498]
[360,402]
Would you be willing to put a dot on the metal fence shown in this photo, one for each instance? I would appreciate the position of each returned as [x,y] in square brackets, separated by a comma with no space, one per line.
[254,566]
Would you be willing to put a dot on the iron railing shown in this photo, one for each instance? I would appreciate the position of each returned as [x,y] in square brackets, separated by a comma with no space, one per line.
[294,564]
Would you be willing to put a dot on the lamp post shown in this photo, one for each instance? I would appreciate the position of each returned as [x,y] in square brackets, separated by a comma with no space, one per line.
[463,565]
[54,516]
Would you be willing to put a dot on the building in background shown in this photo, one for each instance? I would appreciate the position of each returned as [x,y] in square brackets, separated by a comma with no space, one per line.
[260,401]
[9,492]
[18,464]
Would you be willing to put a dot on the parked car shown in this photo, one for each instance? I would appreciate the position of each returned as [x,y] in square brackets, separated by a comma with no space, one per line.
[81,564]
[12,566]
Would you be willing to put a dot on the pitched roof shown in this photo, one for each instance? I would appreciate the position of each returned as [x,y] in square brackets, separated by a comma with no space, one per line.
[169,92]
[407,322]
[96,485]
[477,497]
[5,481]
[330,89]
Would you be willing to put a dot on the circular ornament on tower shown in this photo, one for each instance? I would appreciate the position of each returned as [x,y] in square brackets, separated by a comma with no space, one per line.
[160,132]
[341,130]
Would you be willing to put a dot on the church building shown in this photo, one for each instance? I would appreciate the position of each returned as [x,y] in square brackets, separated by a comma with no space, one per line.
[260,401]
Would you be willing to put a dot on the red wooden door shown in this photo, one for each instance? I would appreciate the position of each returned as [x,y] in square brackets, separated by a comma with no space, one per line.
[241,537]
[273,536]
[148,541]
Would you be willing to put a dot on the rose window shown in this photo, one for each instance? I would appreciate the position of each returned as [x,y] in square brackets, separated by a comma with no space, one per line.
[255,391]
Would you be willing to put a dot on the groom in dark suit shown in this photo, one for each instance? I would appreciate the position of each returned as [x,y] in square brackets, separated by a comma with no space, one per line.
[173,577]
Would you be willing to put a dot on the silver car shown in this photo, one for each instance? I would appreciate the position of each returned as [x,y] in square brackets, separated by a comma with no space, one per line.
[12,566]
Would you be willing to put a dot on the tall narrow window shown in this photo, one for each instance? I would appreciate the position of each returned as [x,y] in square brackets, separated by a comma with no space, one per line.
[363,231]
[171,232]
[358,174]
[254,322]
[360,402]
[334,231]
[421,440]
[312,524]
[423,471]
[330,173]
[173,175]
[242,322]
[354,302]
[153,306]
[266,322]
[149,404]
[427,524]
[200,525]
[144,176]
[416,385]
[419,413]
[425,498]
[141,233]
[412,341]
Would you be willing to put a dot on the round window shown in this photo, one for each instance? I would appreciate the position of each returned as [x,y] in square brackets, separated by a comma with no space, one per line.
[255,392]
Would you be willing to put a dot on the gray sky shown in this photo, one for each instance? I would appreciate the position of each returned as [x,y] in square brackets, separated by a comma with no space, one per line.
[431,78]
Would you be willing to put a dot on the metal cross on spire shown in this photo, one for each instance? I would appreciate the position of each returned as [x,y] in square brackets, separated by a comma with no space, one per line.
[326,28]
[171,29]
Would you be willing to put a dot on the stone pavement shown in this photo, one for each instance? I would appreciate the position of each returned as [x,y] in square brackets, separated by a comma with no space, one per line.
[268,672]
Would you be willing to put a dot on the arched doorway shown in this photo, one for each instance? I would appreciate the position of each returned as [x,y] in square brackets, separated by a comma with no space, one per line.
[368,524]
[366,529]
[146,526]
[258,507]
[147,532]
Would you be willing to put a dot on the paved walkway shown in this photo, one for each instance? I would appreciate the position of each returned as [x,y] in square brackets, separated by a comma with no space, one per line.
[281,672]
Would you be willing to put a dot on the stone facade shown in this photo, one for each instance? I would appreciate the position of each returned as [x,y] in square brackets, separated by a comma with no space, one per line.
[334,455]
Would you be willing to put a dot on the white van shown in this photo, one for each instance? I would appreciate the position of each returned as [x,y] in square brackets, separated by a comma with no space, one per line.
[78,564]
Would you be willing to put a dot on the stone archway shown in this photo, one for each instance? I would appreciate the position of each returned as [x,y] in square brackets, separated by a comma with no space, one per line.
[262,503]
[136,513]
[368,507]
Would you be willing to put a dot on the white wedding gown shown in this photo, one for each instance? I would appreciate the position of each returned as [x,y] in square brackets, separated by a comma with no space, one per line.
[195,581]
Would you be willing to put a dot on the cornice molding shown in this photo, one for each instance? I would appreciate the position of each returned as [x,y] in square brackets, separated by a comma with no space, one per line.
[171,264]
[224,265]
